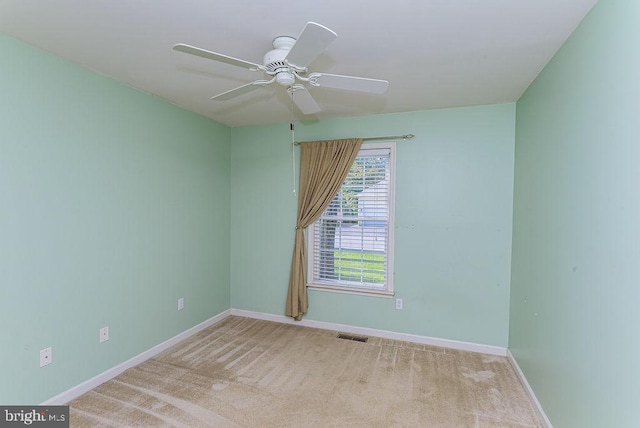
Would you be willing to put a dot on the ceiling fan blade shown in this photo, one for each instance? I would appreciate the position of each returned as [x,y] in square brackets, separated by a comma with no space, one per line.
[216,56]
[349,83]
[313,40]
[303,99]
[240,90]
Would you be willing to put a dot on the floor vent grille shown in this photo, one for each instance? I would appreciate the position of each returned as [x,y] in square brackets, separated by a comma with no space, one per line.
[354,338]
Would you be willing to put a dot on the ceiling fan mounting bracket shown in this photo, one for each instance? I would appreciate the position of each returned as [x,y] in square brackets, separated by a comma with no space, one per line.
[283,42]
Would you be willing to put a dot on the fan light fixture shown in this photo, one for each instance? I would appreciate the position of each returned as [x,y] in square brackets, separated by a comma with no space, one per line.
[285,78]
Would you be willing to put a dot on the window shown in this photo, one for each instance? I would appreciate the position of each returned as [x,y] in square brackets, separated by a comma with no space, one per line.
[351,244]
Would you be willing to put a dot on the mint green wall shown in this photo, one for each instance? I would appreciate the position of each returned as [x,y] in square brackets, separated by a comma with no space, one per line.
[114,205]
[576,246]
[453,222]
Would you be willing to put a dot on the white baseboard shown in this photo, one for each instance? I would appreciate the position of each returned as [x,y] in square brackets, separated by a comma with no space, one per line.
[95,381]
[527,387]
[101,378]
[424,340]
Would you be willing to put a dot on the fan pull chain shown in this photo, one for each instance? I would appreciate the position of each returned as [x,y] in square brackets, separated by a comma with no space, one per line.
[293,155]
[293,142]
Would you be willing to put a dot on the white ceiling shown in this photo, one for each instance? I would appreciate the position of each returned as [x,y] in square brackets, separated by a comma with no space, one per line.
[434,53]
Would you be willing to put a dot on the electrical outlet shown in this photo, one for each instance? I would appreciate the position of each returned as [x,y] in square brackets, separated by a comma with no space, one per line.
[104,334]
[398,303]
[181,303]
[45,357]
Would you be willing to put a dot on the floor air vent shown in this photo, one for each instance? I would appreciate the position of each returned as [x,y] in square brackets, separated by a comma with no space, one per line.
[354,338]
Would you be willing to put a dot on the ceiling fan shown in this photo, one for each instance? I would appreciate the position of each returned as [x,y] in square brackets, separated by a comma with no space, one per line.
[287,65]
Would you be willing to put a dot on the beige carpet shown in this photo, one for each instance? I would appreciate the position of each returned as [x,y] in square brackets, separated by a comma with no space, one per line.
[249,373]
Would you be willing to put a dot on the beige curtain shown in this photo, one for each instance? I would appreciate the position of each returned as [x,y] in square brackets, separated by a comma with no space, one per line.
[323,167]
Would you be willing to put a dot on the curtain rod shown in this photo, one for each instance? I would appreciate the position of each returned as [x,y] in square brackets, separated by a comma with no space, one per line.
[393,137]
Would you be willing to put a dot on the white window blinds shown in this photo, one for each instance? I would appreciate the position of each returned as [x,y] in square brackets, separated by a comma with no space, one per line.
[350,242]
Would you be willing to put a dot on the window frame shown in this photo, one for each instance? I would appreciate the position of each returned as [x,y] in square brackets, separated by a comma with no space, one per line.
[345,287]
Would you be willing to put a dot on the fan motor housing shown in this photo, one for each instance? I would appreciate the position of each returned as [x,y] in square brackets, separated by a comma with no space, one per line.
[275,57]
[274,60]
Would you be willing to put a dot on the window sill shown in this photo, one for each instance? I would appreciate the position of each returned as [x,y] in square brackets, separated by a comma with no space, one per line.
[345,290]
